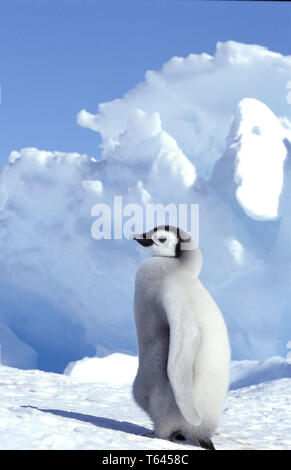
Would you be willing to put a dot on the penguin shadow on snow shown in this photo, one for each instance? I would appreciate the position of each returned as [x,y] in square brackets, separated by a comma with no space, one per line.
[107,423]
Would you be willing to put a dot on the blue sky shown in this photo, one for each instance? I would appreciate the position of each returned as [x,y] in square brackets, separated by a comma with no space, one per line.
[59,56]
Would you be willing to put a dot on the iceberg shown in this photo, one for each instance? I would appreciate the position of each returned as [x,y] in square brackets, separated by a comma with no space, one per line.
[213,131]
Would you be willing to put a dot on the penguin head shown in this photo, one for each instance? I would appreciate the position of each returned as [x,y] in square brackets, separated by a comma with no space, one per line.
[164,240]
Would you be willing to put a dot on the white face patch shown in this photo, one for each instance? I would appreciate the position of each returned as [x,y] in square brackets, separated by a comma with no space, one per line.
[164,243]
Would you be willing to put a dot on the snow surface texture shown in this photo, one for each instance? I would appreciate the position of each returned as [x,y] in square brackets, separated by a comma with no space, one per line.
[41,410]
[214,131]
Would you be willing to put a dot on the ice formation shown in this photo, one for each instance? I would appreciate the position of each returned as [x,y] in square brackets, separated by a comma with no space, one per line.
[214,131]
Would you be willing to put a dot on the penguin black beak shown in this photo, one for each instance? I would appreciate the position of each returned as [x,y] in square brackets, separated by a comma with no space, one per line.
[142,239]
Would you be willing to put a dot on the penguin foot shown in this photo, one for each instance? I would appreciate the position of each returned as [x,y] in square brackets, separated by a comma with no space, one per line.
[206,444]
[177,436]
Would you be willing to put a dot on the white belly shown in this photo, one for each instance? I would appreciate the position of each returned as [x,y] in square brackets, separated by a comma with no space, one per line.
[211,365]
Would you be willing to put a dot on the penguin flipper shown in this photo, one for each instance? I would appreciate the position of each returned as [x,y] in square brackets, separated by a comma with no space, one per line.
[184,342]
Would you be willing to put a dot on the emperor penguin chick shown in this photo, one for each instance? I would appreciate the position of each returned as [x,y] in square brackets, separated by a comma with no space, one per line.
[183,346]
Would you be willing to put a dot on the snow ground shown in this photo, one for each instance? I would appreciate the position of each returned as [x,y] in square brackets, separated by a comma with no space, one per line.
[42,410]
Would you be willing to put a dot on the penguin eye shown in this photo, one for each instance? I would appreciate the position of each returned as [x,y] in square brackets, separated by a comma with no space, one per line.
[162,239]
